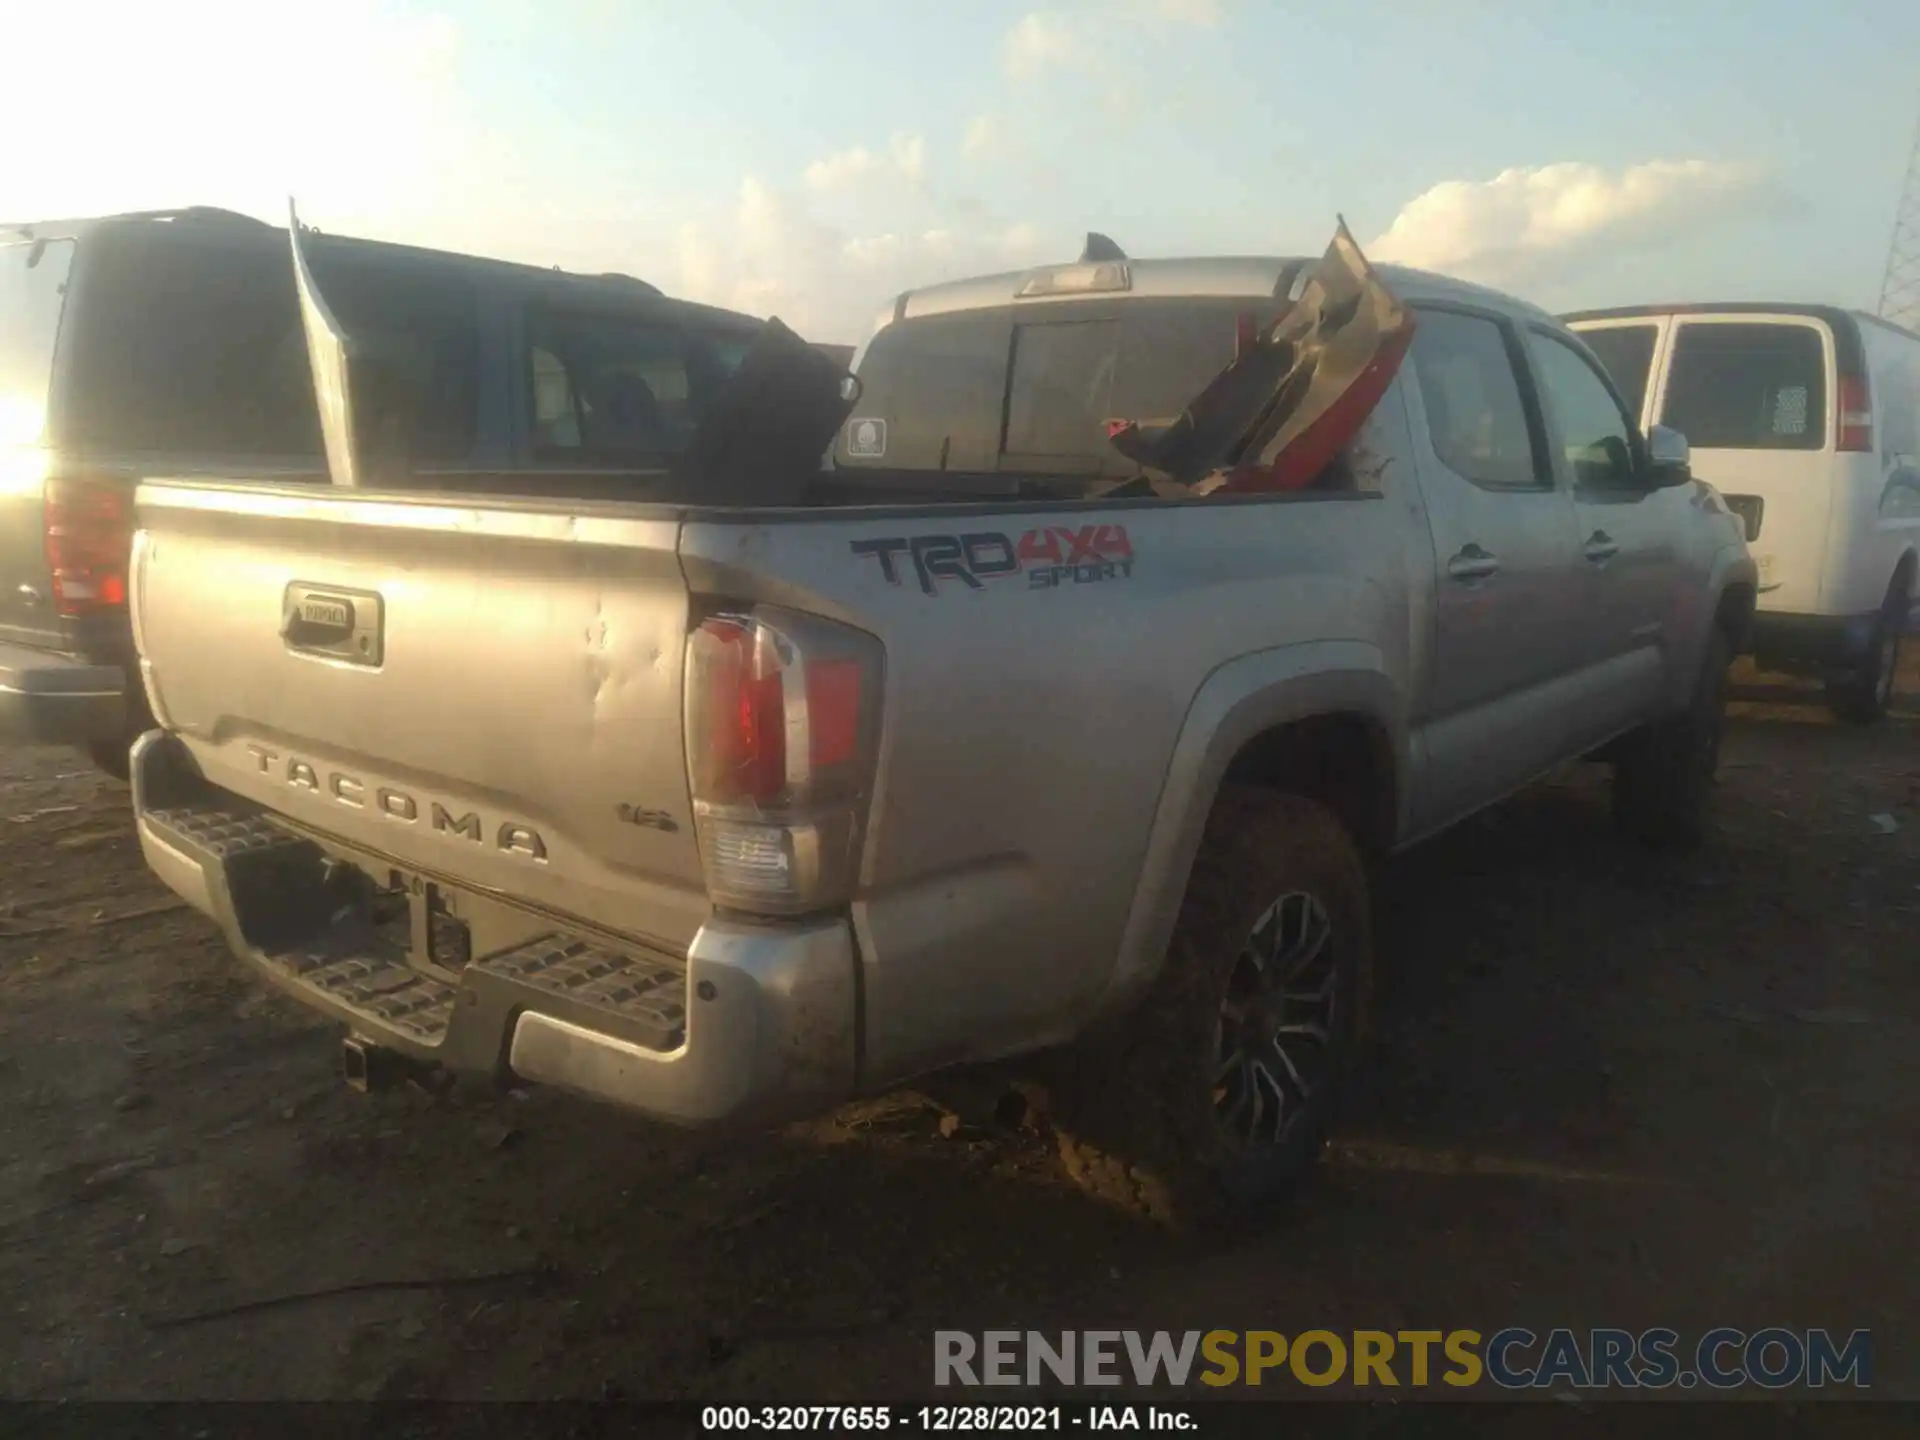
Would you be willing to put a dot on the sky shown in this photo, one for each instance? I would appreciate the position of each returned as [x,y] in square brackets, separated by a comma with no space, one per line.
[812,158]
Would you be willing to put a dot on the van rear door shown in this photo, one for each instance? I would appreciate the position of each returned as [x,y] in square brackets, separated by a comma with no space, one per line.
[33,286]
[1753,394]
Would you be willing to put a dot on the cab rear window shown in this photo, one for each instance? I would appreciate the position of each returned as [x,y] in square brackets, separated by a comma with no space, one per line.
[1031,388]
[1747,386]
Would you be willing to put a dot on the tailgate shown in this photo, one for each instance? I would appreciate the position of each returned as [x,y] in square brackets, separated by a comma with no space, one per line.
[491,694]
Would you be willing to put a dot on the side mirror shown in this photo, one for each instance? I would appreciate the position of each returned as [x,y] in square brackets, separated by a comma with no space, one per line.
[1669,458]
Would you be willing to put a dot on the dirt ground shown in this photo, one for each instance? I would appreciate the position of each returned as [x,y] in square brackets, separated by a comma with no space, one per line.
[1609,1090]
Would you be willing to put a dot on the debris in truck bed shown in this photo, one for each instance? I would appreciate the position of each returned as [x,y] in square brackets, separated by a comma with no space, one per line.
[1290,403]
[761,443]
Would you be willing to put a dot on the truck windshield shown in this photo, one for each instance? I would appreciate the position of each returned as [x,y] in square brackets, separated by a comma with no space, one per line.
[1740,386]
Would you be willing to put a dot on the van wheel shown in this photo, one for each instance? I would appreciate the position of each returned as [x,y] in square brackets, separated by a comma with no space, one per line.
[1865,696]
[1666,771]
[1212,1105]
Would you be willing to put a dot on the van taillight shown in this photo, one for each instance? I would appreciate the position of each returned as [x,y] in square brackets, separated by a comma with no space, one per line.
[1855,428]
[89,538]
[782,723]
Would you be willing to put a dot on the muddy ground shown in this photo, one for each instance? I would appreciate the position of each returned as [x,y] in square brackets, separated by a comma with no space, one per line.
[1609,1089]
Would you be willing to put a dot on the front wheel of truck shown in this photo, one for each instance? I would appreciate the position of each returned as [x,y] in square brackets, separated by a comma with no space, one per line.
[1665,774]
[1213,1104]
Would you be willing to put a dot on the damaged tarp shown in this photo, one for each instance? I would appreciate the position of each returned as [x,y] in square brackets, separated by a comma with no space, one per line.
[1291,402]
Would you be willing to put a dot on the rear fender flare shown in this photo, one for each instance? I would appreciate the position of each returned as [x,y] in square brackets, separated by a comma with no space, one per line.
[1242,699]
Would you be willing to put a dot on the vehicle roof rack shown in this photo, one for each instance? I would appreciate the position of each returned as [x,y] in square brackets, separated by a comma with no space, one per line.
[1100,248]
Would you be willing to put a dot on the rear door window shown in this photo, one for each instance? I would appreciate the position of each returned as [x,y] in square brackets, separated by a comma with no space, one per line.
[623,389]
[33,288]
[1627,353]
[1470,391]
[1747,386]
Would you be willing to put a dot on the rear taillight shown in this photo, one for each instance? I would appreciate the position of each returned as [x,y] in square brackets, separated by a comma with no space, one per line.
[782,728]
[1855,428]
[89,536]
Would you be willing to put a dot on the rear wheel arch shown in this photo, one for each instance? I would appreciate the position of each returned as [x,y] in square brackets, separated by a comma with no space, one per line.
[1301,716]
[1343,759]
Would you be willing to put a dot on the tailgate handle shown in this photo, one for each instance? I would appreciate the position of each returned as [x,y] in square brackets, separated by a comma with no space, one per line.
[335,624]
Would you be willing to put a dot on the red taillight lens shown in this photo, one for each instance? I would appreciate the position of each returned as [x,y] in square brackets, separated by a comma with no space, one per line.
[782,720]
[1854,430]
[741,746]
[89,538]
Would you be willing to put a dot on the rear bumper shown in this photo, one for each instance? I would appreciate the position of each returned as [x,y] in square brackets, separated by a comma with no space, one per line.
[753,1023]
[48,699]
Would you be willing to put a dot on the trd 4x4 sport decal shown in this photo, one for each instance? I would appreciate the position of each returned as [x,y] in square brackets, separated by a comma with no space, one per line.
[1058,555]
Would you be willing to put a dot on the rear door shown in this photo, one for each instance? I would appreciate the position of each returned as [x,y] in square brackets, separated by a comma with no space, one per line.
[33,286]
[1502,705]
[1753,394]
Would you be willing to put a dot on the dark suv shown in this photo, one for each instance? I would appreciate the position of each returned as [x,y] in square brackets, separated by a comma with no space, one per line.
[171,344]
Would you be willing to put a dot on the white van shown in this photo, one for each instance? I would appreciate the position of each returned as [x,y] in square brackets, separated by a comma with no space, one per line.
[1807,419]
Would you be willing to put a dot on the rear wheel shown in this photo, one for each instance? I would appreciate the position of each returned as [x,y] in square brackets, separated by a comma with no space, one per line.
[1666,771]
[1864,697]
[1213,1105]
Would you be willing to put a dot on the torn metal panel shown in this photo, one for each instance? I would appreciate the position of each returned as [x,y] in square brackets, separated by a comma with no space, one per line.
[1291,401]
[330,356]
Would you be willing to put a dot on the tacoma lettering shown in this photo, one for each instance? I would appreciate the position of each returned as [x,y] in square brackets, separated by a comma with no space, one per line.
[511,837]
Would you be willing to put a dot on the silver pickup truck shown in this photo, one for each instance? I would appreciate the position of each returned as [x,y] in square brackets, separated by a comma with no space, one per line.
[729,813]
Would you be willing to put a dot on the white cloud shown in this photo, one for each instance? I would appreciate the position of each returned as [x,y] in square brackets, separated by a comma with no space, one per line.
[1041,40]
[772,254]
[905,159]
[979,137]
[1526,222]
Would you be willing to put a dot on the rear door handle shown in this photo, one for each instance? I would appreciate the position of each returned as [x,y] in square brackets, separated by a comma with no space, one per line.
[1601,547]
[1472,563]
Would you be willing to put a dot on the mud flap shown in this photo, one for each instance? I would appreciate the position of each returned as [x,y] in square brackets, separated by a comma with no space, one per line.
[1291,401]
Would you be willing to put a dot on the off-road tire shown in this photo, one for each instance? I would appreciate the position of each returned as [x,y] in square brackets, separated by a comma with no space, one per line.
[1666,772]
[1864,697]
[1135,1114]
